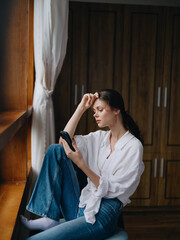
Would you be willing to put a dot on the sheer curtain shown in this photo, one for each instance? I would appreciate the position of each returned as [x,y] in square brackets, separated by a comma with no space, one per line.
[50,40]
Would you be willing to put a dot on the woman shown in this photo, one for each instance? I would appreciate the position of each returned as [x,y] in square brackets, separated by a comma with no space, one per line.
[112,162]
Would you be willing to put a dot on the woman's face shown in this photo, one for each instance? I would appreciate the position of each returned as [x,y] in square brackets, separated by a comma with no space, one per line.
[103,114]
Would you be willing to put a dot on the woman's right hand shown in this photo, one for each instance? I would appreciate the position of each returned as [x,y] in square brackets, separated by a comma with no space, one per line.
[88,100]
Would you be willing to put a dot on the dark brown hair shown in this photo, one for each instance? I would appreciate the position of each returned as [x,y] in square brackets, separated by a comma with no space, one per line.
[115,101]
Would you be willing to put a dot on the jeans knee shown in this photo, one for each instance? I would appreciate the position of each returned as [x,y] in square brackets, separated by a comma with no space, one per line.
[56,150]
[52,148]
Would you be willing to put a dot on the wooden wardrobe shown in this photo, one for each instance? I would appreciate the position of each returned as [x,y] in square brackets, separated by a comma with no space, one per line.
[135,50]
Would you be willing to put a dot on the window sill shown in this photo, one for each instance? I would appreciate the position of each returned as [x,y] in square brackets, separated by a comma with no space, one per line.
[10,123]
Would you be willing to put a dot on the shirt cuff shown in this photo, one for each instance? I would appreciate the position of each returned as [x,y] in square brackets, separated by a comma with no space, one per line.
[102,189]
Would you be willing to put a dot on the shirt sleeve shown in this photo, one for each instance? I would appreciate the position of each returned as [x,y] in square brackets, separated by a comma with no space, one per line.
[124,181]
[89,144]
[81,143]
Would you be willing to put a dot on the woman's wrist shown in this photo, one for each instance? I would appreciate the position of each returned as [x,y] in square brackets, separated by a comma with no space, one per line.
[90,174]
[81,165]
[81,108]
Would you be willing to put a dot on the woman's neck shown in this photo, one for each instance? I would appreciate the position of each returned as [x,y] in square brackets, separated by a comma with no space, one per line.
[116,135]
[117,131]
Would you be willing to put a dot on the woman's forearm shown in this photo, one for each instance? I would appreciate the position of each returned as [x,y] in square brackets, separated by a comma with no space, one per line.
[74,120]
[86,102]
[90,174]
[77,158]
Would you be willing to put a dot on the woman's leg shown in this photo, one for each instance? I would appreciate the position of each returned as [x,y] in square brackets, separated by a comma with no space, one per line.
[57,188]
[79,229]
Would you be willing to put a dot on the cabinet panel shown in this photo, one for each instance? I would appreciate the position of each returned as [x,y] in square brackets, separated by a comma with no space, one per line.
[142,72]
[145,193]
[174,100]
[101,49]
[170,141]
[169,180]
[79,52]
[101,54]
[72,81]
[142,76]
[172,180]
[103,60]
[144,189]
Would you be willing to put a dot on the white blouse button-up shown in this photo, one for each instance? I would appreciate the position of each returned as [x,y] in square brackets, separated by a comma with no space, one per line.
[119,171]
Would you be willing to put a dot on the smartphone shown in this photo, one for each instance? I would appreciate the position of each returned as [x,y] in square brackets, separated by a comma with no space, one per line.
[65,136]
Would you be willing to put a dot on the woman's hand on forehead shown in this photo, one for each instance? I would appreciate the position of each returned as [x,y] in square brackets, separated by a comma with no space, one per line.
[89,99]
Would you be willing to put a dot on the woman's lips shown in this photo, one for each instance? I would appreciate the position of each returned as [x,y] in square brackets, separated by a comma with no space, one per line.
[98,121]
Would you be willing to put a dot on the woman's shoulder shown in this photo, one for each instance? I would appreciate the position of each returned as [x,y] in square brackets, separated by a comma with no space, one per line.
[93,136]
[133,142]
[99,134]
[137,142]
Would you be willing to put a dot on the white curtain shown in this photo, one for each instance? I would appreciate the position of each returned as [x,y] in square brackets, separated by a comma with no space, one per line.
[50,40]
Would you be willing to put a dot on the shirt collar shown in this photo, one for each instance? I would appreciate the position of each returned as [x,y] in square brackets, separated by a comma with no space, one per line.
[120,143]
[106,140]
[124,140]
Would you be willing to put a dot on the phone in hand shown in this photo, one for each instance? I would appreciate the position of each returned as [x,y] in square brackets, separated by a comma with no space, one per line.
[66,137]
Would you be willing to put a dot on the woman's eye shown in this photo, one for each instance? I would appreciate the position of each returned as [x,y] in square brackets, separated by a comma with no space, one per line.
[98,110]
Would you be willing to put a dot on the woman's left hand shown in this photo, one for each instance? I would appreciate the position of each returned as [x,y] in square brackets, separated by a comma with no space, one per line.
[76,156]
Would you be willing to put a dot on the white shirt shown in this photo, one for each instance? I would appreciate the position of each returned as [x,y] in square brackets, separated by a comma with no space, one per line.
[119,173]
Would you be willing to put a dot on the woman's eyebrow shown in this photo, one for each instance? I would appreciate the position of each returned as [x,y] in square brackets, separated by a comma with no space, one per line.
[97,107]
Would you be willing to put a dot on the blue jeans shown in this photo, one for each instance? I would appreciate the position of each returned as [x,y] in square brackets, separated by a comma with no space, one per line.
[57,192]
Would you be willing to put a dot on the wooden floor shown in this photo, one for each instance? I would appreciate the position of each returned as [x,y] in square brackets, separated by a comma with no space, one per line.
[152,225]
[10,199]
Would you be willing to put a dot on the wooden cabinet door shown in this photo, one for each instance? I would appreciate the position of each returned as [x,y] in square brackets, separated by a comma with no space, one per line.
[94,57]
[104,51]
[79,62]
[171,84]
[169,184]
[169,176]
[142,71]
[72,81]
[146,193]
[142,89]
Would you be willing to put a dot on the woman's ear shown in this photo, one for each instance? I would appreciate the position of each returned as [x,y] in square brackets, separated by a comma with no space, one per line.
[117,111]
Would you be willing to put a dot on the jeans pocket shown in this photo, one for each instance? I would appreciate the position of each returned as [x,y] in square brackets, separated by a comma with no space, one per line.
[107,216]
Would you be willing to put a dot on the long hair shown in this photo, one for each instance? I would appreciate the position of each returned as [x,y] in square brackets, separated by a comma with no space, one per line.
[115,101]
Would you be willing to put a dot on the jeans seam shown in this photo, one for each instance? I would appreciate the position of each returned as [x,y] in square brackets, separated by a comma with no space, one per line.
[77,197]
[65,158]
[52,193]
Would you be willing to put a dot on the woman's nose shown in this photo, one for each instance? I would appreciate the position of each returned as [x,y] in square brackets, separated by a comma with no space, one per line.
[95,114]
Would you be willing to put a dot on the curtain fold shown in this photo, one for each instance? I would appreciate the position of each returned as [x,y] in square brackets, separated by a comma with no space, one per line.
[50,41]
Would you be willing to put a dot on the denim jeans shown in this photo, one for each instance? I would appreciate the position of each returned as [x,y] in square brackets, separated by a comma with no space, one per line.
[57,192]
